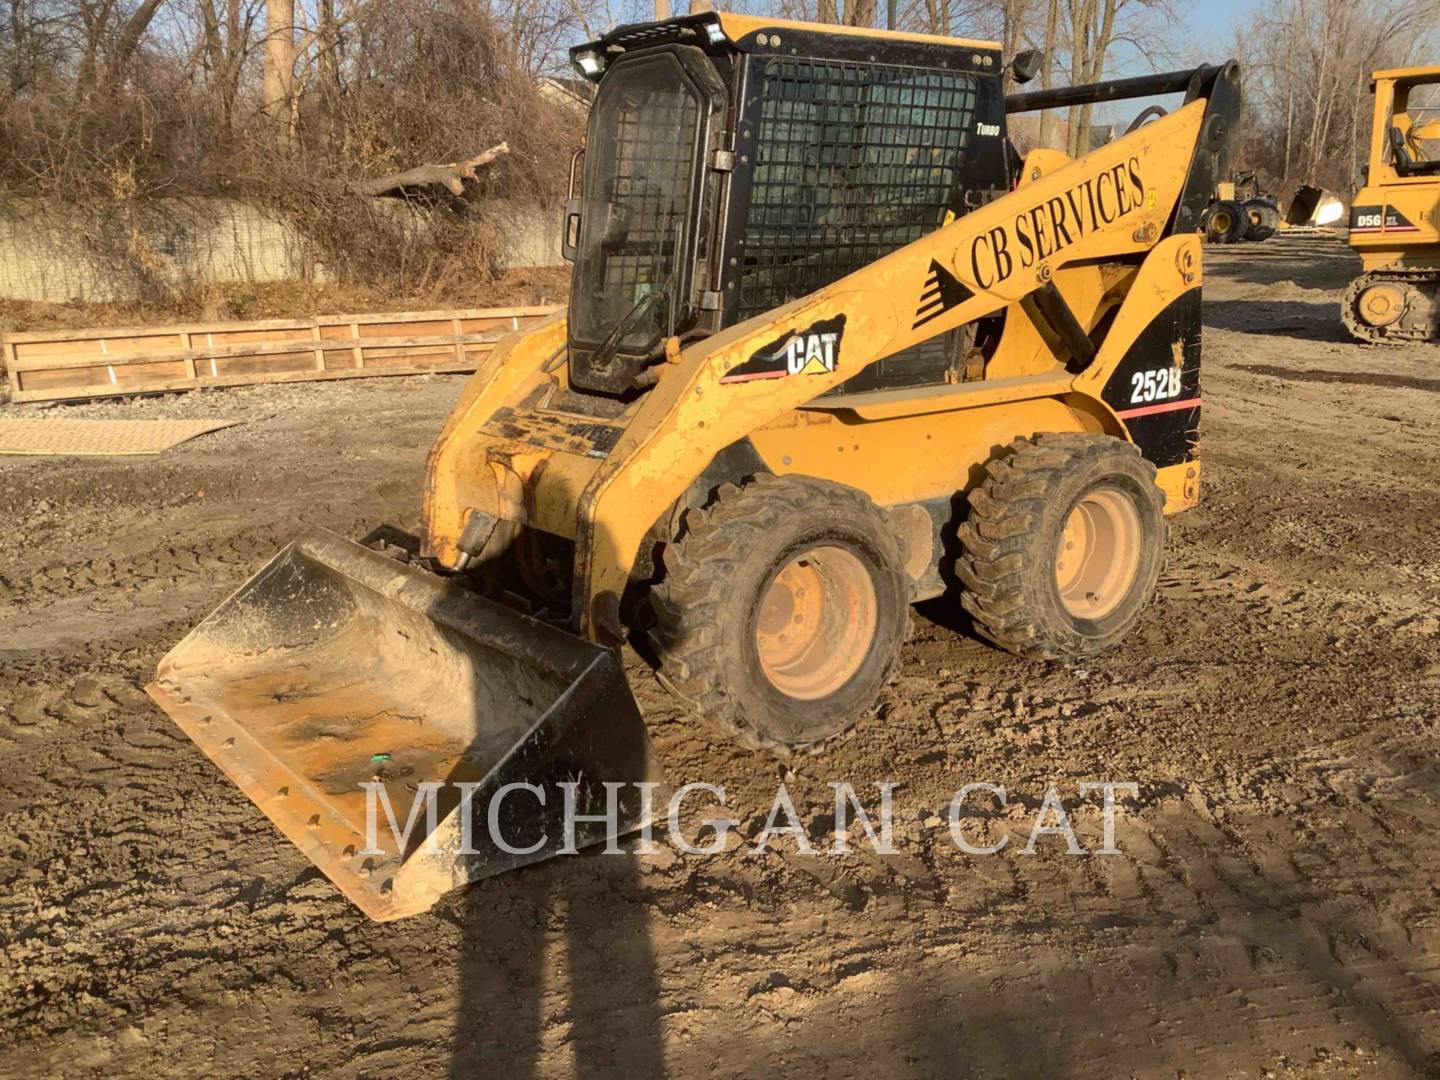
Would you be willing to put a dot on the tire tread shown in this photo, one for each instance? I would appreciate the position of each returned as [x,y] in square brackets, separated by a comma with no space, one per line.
[996,536]
[698,569]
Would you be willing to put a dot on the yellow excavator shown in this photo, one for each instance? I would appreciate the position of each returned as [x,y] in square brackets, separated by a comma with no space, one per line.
[1393,223]
[832,348]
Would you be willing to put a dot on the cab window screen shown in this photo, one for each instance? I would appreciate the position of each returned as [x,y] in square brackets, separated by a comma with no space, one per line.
[852,162]
[640,162]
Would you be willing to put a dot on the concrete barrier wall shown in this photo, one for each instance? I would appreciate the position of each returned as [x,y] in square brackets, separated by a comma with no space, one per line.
[45,256]
[532,232]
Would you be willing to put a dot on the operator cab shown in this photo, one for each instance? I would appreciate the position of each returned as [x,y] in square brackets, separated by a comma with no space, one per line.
[736,163]
[1407,105]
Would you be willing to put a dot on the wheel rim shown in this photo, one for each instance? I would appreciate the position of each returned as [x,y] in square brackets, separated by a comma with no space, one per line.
[1220,222]
[816,622]
[1099,555]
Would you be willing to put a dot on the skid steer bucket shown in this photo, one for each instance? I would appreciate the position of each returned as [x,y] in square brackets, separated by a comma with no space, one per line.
[335,669]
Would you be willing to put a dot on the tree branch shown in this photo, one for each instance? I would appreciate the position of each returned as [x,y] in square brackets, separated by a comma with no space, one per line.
[130,34]
[451,176]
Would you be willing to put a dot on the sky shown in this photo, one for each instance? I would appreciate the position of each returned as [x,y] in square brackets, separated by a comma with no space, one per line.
[1200,21]
[1204,21]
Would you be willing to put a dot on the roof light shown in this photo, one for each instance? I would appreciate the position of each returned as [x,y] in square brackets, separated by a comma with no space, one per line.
[590,63]
[715,32]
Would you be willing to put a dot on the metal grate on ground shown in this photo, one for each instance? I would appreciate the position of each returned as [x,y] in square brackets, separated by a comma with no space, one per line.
[103,438]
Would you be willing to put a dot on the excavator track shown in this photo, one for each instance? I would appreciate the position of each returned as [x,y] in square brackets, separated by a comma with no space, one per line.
[1392,307]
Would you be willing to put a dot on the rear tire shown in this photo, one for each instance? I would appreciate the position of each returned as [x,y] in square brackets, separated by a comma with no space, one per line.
[1264,218]
[1063,545]
[782,611]
[1226,222]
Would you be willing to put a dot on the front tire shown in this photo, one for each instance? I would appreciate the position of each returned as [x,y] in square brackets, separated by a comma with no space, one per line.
[1063,545]
[782,611]
[1226,222]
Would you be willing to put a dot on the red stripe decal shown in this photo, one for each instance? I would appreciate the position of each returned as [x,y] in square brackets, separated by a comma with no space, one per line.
[755,375]
[1164,406]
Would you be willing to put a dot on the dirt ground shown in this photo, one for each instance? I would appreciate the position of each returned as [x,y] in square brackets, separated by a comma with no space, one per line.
[1274,911]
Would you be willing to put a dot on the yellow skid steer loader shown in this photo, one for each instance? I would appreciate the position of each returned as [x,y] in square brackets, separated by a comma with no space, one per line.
[832,348]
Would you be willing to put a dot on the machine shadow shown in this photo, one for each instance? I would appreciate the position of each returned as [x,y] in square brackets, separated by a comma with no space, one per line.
[556,957]
[1280,318]
[595,998]
[386,536]
[1072,1020]
[945,610]
[1069,1010]
[604,1005]
[1349,378]
[1311,262]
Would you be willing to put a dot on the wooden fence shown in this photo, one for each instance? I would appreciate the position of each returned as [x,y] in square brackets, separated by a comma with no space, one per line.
[61,365]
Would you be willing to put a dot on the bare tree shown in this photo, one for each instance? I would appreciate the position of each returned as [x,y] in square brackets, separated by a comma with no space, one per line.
[18,56]
[128,40]
[1047,72]
[859,12]
[109,106]
[1306,69]
[279,61]
[109,33]
[1014,20]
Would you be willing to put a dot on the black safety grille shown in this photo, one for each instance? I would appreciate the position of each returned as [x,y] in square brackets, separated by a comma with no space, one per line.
[655,160]
[852,161]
